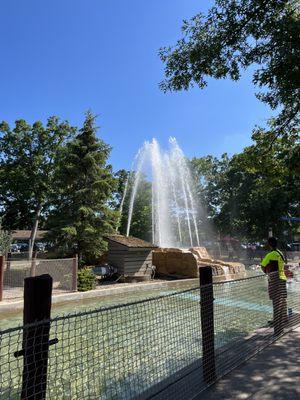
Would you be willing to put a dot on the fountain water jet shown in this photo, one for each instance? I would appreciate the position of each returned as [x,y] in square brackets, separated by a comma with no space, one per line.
[176,214]
[140,158]
[174,206]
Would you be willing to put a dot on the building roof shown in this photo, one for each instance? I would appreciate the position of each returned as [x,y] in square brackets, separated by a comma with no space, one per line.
[25,235]
[130,241]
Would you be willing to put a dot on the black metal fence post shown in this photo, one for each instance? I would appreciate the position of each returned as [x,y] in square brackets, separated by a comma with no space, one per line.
[37,308]
[207,324]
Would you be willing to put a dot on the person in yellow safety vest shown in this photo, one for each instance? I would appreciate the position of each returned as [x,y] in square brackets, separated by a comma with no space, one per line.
[277,290]
[274,255]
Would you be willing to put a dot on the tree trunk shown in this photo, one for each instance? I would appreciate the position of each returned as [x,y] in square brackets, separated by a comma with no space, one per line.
[34,229]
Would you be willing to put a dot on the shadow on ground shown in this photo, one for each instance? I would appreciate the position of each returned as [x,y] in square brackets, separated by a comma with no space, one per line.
[272,374]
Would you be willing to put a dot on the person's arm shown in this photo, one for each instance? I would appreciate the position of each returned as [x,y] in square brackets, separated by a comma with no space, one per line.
[265,263]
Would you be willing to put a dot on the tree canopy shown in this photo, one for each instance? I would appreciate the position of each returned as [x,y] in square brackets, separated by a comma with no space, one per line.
[27,163]
[5,240]
[236,35]
[253,190]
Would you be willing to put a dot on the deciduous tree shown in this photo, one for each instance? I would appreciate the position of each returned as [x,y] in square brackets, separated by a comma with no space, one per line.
[5,240]
[253,190]
[236,35]
[27,163]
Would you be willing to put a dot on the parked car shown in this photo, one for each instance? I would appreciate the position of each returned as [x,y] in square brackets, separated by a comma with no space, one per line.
[39,246]
[23,247]
[294,246]
[14,248]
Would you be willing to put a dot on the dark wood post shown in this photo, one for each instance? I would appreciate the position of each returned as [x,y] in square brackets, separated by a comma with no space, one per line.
[2,263]
[207,324]
[277,291]
[74,273]
[37,308]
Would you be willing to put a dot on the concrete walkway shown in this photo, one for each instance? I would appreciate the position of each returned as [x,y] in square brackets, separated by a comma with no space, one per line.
[273,374]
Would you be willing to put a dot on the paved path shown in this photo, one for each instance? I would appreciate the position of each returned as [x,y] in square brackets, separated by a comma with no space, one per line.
[273,374]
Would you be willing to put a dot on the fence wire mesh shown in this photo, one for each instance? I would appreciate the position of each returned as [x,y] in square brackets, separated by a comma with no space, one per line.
[15,271]
[149,349]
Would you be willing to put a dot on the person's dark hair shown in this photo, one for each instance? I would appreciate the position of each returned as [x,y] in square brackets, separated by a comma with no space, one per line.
[272,242]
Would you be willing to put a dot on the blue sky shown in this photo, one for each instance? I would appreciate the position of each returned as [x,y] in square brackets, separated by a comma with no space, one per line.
[62,57]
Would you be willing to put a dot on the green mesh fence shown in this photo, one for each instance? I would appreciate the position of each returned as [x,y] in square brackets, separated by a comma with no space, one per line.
[146,349]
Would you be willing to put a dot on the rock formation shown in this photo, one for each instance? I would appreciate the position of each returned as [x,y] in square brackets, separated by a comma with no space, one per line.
[186,263]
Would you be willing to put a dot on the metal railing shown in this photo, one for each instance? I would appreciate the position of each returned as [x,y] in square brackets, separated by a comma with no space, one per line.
[171,346]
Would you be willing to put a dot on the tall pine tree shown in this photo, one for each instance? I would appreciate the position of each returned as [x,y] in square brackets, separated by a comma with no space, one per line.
[85,184]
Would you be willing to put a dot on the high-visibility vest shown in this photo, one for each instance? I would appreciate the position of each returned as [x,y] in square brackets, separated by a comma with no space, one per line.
[275,255]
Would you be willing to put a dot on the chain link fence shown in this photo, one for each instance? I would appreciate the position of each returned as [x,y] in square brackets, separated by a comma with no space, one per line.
[15,271]
[148,349]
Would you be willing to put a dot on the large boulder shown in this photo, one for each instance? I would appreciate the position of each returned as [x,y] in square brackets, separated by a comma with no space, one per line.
[175,262]
[201,253]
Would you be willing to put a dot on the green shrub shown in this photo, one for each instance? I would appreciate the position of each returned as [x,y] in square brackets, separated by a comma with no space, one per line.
[86,280]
